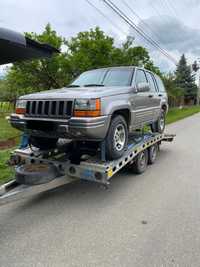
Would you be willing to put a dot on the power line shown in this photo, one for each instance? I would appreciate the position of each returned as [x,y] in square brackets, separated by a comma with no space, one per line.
[171,7]
[140,19]
[106,17]
[174,6]
[152,30]
[120,13]
[114,24]
[157,12]
[138,29]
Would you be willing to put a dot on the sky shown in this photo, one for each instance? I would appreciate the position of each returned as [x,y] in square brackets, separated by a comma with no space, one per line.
[172,23]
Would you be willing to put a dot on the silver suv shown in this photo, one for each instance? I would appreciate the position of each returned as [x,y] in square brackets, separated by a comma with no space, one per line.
[102,104]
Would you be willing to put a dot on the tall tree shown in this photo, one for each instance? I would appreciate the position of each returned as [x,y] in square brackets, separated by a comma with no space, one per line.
[185,80]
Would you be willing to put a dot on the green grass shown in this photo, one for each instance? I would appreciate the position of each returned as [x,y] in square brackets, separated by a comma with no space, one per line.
[176,114]
[6,131]
[6,173]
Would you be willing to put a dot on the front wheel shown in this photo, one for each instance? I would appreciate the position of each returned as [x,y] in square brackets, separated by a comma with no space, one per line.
[159,125]
[117,138]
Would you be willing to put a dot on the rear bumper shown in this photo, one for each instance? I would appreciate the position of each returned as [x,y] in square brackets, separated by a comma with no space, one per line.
[73,128]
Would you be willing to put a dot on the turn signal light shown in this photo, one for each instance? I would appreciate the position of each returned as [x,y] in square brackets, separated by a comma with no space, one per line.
[87,113]
[20,110]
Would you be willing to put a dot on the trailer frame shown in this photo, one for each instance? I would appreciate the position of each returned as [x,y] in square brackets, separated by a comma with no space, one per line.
[93,168]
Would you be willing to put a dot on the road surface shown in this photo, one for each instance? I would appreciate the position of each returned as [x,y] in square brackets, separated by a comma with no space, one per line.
[147,220]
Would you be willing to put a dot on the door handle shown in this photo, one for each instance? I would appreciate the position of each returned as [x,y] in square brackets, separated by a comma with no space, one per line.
[150,96]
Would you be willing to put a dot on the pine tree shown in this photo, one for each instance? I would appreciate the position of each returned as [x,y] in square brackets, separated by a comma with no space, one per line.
[185,80]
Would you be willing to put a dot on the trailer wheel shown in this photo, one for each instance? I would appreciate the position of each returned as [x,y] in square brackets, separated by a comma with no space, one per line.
[140,164]
[152,154]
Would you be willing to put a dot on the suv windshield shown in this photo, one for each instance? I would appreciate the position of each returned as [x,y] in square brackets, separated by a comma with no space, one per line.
[105,77]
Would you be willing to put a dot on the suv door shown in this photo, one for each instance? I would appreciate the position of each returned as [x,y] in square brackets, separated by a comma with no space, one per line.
[154,98]
[162,92]
[141,109]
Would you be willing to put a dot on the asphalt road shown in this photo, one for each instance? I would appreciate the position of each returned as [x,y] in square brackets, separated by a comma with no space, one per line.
[147,220]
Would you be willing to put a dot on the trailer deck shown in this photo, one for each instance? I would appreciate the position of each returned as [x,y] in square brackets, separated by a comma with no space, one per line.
[92,168]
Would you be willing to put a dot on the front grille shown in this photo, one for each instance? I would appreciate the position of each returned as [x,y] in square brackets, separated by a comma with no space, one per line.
[50,109]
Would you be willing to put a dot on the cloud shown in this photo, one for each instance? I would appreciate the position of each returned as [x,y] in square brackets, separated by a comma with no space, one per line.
[172,35]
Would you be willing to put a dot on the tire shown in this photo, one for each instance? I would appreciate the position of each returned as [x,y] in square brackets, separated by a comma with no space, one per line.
[35,174]
[159,125]
[152,154]
[117,138]
[140,164]
[43,143]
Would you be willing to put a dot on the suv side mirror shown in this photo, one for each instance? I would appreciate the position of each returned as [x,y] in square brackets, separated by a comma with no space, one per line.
[143,87]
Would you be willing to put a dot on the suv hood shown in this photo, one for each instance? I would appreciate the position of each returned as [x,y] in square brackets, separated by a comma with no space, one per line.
[79,92]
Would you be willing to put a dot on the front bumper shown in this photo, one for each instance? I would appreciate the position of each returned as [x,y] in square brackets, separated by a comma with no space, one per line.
[74,128]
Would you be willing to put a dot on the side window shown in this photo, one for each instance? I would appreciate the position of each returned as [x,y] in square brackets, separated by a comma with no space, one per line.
[151,82]
[160,84]
[140,77]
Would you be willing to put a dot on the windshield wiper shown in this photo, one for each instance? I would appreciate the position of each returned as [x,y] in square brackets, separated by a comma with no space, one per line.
[93,84]
[73,85]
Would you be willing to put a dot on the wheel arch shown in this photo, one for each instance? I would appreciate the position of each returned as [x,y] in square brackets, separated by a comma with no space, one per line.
[125,112]
[164,107]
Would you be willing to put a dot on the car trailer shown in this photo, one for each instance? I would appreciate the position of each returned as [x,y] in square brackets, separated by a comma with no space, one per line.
[38,171]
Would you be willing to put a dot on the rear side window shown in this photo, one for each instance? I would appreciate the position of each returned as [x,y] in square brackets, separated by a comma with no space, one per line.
[151,82]
[160,84]
[118,77]
[140,77]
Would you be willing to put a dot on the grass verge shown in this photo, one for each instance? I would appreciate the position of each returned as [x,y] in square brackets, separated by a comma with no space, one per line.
[176,114]
[6,173]
[6,131]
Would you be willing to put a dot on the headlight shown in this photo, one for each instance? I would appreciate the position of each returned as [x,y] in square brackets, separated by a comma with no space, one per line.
[21,106]
[87,107]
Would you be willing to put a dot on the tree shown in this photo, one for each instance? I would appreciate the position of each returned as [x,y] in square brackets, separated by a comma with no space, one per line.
[93,49]
[185,80]
[88,50]
[130,55]
[37,75]
[5,94]
[175,94]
